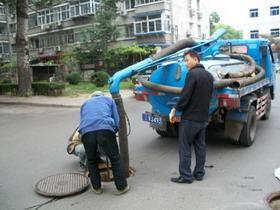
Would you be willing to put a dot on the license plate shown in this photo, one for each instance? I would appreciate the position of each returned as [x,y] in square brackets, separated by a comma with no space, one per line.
[155,119]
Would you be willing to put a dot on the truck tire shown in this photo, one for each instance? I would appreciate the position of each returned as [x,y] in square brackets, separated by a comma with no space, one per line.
[161,133]
[268,108]
[172,130]
[248,132]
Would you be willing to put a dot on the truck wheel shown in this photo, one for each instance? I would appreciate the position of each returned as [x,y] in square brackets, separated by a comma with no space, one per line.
[248,132]
[161,133]
[172,130]
[267,109]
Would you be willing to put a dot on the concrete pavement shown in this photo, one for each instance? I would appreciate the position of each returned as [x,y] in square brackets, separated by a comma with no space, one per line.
[52,101]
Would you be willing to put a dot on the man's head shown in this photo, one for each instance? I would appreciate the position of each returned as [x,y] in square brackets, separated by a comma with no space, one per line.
[97,93]
[191,58]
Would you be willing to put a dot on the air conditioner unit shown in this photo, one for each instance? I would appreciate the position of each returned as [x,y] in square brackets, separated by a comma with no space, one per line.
[123,12]
[192,12]
[14,35]
[41,50]
[188,33]
[58,24]
[47,27]
[58,48]
[199,14]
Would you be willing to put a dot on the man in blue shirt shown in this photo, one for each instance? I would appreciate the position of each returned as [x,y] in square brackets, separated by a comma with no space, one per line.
[99,123]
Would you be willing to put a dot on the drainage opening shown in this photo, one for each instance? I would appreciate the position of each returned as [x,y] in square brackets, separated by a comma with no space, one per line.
[273,200]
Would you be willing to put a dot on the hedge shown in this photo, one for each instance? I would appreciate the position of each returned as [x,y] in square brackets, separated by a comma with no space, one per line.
[39,88]
[48,88]
[11,89]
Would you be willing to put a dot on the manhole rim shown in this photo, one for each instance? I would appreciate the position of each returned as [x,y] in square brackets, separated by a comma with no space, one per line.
[270,197]
[81,189]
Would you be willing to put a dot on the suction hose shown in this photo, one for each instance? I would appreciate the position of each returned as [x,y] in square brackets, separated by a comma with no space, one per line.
[245,72]
[234,82]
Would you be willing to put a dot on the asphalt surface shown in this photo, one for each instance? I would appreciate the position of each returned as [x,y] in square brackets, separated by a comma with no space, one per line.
[33,142]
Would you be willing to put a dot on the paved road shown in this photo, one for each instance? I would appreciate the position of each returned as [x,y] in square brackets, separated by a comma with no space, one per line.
[33,147]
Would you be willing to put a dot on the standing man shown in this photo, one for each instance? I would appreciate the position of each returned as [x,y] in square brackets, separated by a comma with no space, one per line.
[194,105]
[99,123]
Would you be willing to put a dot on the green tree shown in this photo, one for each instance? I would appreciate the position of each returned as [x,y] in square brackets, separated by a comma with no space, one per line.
[231,32]
[214,19]
[23,68]
[103,30]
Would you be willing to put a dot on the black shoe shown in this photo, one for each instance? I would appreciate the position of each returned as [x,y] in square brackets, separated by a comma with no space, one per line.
[197,178]
[181,180]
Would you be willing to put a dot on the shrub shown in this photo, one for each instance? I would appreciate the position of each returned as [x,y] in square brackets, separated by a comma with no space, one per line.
[48,88]
[100,78]
[6,81]
[73,78]
[8,88]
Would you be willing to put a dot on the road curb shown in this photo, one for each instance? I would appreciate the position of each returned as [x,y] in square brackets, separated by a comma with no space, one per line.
[48,104]
[38,104]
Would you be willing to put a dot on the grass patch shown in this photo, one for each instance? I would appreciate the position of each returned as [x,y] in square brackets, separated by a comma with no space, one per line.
[88,88]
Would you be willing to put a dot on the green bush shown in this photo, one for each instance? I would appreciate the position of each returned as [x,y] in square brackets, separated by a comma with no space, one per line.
[8,89]
[73,78]
[6,81]
[100,78]
[48,88]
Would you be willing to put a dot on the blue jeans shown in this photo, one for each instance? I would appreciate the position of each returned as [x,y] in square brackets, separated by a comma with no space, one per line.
[106,140]
[192,132]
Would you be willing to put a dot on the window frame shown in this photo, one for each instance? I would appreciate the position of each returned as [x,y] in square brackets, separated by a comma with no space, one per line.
[254,13]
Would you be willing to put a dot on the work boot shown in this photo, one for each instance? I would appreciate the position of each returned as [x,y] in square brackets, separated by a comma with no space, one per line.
[181,180]
[97,191]
[120,192]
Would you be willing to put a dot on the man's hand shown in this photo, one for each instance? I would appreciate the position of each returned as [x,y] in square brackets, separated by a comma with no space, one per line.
[172,115]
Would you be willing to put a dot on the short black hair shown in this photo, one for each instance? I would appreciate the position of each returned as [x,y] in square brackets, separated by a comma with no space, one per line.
[192,54]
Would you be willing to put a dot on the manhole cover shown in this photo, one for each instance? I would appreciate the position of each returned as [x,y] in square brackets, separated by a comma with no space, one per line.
[273,200]
[62,184]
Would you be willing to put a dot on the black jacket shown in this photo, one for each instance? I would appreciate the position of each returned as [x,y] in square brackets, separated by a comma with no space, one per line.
[196,94]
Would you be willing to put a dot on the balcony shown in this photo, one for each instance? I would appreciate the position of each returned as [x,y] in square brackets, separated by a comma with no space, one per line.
[3,18]
[3,37]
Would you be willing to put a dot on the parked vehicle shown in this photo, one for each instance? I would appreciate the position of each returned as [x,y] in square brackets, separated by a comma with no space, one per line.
[244,73]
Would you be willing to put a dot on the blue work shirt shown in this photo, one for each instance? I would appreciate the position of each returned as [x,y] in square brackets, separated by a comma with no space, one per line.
[99,113]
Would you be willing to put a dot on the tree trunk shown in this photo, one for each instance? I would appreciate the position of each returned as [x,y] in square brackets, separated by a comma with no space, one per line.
[24,72]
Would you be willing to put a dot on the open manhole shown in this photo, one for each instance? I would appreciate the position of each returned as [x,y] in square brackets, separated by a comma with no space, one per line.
[273,200]
[60,185]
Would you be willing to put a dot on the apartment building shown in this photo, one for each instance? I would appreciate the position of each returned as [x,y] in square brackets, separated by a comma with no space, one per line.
[144,22]
[5,42]
[261,17]
[162,22]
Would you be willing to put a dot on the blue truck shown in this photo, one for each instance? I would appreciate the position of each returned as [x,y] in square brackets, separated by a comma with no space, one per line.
[244,80]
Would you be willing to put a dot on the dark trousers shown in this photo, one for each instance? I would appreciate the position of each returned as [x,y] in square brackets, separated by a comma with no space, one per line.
[106,139]
[192,132]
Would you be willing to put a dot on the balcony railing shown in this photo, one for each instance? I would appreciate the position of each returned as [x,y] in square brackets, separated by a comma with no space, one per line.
[3,37]
[3,18]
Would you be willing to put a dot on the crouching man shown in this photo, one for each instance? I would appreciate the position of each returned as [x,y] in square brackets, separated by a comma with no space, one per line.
[99,123]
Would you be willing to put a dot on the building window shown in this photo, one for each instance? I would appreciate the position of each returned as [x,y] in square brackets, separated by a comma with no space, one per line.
[274,11]
[2,10]
[64,12]
[141,2]
[254,13]
[32,20]
[129,32]
[254,34]
[152,23]
[4,48]
[129,4]
[274,32]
